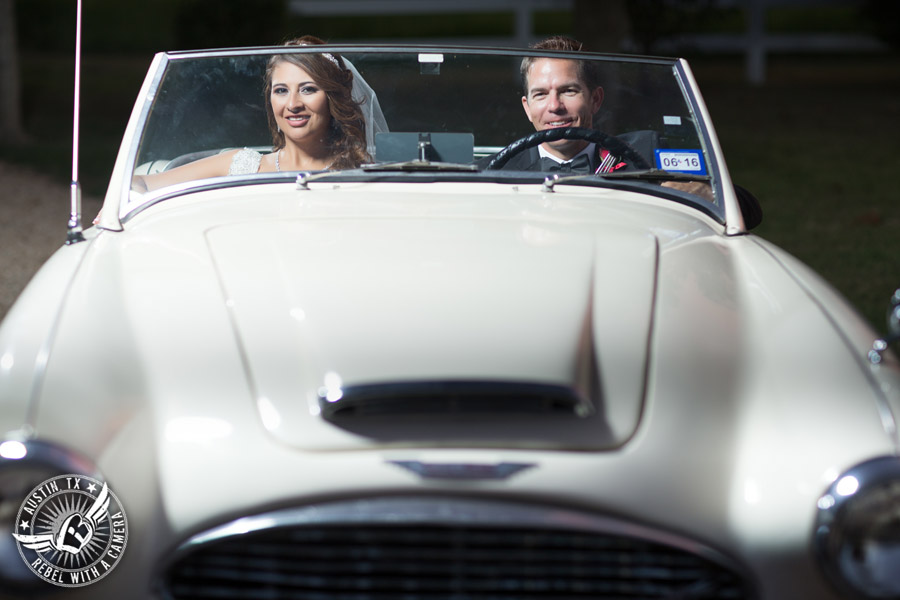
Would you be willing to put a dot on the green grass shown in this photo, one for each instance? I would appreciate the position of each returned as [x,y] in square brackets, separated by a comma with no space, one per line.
[816,144]
[435,25]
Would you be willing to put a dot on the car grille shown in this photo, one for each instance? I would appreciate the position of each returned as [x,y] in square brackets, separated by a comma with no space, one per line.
[447,561]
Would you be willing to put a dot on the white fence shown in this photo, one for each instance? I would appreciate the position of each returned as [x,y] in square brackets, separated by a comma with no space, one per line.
[522,9]
[756,43]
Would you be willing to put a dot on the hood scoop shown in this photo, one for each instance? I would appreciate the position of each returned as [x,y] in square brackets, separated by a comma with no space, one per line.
[465,332]
[467,413]
[454,398]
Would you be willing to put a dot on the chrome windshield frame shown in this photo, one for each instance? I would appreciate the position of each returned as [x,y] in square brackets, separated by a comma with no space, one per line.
[118,207]
[721,179]
[119,188]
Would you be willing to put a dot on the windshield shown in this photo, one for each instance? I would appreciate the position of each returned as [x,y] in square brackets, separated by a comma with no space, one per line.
[489,114]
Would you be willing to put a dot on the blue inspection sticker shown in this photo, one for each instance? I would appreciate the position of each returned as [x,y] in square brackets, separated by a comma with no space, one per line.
[681,161]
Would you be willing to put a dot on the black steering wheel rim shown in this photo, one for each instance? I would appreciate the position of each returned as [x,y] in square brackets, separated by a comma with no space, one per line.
[610,142]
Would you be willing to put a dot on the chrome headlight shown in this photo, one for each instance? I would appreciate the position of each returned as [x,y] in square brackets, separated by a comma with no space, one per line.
[25,464]
[857,537]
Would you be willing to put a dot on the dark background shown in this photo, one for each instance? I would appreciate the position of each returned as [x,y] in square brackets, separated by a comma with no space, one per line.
[815,138]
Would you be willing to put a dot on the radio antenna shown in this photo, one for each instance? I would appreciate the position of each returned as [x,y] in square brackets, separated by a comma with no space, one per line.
[74,234]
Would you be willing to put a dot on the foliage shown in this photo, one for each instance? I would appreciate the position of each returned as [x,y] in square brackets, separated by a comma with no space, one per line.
[885,18]
[652,20]
[225,23]
[48,26]
[816,145]
[354,27]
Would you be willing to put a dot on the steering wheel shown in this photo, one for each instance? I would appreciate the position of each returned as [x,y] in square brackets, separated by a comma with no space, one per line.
[615,145]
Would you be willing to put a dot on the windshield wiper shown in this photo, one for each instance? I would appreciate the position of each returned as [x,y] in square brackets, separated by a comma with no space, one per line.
[650,175]
[655,175]
[418,165]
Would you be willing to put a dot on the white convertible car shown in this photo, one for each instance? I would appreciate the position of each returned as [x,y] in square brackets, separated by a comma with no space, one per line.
[447,372]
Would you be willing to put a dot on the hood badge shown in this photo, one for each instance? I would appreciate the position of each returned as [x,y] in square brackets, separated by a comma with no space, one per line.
[480,471]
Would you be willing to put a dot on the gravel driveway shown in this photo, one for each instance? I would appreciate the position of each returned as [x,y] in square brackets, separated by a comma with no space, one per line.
[34,211]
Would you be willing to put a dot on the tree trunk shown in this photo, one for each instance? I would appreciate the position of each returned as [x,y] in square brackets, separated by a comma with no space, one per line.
[11,126]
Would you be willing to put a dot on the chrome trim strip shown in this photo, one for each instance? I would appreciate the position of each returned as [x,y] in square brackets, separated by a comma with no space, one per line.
[205,185]
[413,49]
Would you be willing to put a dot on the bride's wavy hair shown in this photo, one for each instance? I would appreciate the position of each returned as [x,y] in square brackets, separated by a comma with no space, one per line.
[347,133]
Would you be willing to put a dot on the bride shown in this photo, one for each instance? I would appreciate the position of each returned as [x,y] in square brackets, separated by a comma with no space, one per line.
[314,106]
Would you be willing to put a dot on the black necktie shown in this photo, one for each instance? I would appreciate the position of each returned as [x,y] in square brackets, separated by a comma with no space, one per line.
[580,164]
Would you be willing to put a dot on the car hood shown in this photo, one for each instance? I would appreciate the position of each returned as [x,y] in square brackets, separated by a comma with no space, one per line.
[195,344]
[362,311]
